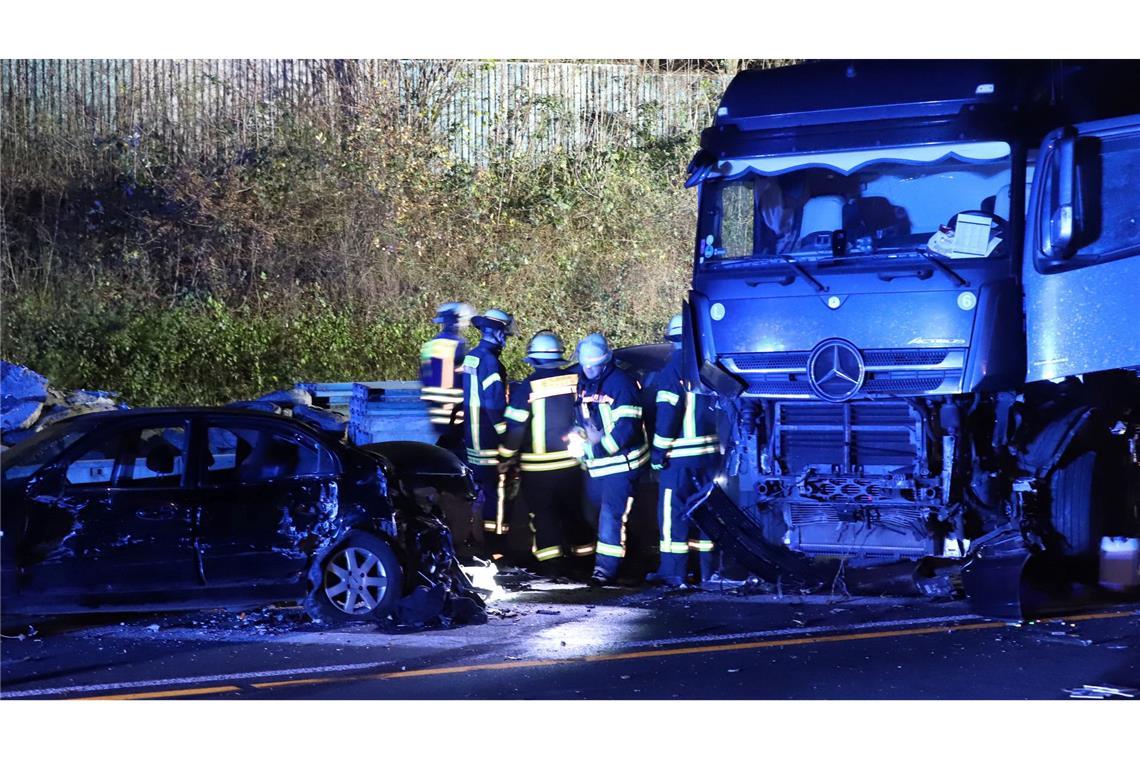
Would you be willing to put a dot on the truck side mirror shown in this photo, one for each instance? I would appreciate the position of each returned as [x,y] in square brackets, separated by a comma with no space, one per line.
[1058,243]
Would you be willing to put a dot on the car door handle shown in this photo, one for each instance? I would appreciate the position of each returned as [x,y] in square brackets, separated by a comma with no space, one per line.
[156,513]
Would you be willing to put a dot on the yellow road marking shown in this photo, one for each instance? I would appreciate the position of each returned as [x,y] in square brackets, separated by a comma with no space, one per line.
[163,694]
[642,654]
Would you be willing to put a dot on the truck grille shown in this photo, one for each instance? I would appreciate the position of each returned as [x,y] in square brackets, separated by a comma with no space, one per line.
[890,371]
[847,438]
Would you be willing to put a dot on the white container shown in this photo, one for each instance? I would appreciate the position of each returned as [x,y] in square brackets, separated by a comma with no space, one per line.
[1120,563]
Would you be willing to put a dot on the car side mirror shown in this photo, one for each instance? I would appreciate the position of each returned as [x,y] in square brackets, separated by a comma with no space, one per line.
[1063,214]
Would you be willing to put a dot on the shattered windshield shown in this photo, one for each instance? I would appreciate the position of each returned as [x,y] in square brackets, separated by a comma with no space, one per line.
[948,200]
[22,461]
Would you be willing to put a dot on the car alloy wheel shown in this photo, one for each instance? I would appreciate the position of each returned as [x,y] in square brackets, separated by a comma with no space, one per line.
[355,580]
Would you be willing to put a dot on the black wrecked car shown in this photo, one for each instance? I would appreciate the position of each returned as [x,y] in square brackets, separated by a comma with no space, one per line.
[192,507]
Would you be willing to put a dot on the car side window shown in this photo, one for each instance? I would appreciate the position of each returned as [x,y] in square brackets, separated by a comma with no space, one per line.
[96,465]
[238,454]
[157,458]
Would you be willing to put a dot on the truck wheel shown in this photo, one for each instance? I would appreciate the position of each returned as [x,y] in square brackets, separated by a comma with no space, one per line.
[360,579]
[1077,510]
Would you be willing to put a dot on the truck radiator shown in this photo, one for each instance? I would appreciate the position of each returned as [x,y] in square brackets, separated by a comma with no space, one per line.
[856,437]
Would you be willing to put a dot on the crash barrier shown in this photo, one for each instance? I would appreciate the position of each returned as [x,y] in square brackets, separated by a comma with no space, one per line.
[388,411]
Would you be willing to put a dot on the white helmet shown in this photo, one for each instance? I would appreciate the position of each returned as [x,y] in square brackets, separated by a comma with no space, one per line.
[675,329]
[495,319]
[457,313]
[544,346]
[594,350]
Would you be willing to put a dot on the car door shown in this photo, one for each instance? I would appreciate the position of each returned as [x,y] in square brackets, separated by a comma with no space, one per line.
[116,523]
[264,486]
[1081,268]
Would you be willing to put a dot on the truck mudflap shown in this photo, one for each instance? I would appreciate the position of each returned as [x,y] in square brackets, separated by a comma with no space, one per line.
[742,537]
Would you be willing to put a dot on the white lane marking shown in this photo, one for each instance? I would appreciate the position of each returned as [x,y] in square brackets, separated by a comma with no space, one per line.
[86,688]
[802,630]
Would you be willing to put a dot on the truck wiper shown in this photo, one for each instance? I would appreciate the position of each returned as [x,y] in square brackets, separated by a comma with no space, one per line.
[819,286]
[945,268]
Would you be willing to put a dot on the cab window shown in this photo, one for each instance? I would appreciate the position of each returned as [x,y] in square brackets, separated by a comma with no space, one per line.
[1106,221]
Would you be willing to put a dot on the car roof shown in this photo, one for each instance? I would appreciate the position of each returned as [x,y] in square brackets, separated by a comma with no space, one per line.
[143,413]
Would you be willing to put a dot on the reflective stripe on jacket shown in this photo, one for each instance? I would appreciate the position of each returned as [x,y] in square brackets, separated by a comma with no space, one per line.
[441,388]
[685,422]
[485,397]
[540,414]
[611,403]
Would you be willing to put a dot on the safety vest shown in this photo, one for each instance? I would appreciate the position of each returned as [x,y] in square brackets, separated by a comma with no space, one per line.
[440,386]
[539,417]
[612,404]
[485,397]
[685,422]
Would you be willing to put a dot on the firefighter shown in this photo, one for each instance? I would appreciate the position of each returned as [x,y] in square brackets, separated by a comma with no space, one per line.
[485,400]
[440,360]
[685,452]
[612,445]
[540,418]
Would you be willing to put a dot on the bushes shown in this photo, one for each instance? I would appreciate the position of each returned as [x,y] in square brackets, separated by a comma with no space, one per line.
[204,353]
[321,255]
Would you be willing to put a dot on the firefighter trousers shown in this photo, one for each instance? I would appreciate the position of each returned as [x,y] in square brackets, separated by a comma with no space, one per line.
[554,501]
[611,501]
[678,483]
[493,501]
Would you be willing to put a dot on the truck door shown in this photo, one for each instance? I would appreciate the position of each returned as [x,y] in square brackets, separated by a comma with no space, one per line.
[1081,269]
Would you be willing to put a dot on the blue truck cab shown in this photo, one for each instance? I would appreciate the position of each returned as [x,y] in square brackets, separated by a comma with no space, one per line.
[916,293]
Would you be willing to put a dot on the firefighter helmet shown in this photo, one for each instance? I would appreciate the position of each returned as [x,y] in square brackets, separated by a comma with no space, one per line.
[544,346]
[674,331]
[456,313]
[495,319]
[594,350]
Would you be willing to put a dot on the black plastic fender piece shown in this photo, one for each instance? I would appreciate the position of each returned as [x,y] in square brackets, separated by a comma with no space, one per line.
[1042,454]
[739,535]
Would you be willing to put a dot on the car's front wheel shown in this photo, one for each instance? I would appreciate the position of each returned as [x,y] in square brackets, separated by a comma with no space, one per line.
[359,579]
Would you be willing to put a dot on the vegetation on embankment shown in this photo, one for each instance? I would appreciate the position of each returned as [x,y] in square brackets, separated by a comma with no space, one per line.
[177,278]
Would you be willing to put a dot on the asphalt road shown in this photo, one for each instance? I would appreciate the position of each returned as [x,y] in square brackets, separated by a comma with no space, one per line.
[576,643]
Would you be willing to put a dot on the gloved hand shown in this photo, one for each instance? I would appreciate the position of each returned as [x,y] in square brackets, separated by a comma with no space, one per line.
[593,435]
[576,443]
[658,459]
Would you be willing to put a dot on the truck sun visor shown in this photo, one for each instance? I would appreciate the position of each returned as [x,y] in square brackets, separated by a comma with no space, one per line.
[849,162]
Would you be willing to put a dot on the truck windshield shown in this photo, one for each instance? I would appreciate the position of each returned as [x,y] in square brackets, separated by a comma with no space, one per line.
[950,200]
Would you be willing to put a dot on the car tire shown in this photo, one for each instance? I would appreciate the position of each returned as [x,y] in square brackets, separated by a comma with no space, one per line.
[359,579]
[1076,509]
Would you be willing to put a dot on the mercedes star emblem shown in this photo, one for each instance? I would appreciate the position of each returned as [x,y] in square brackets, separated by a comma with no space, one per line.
[835,370]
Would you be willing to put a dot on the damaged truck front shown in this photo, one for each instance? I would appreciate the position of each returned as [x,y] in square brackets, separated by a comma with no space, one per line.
[914,292]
